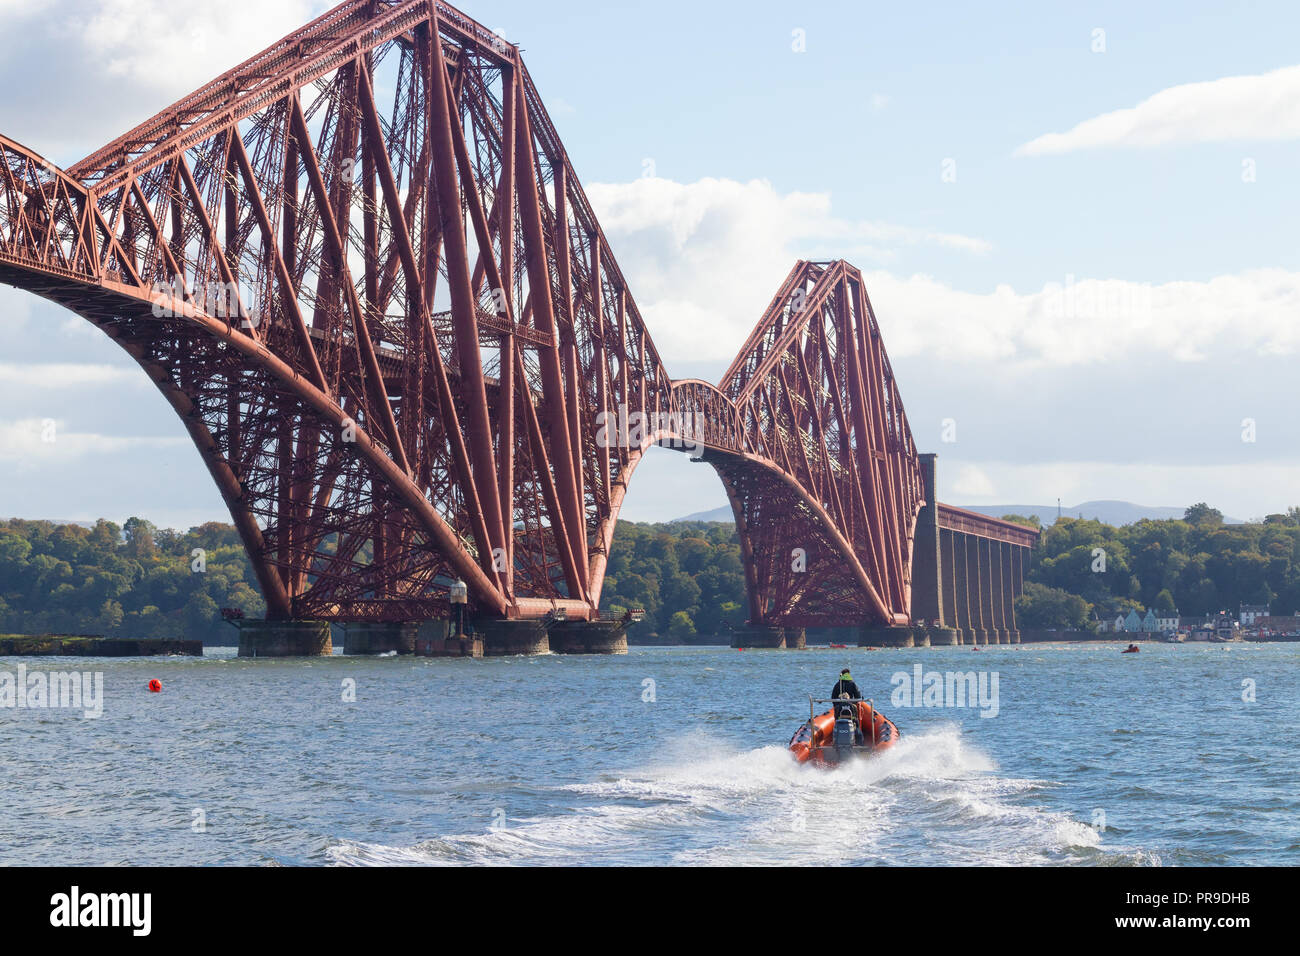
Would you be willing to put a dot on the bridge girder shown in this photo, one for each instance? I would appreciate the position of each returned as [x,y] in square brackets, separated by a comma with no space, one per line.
[398,336]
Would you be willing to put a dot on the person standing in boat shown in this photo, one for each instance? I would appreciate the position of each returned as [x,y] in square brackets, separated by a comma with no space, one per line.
[845,686]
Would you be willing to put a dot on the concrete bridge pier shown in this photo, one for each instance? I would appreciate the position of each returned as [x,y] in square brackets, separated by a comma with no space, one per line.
[967,571]
[885,635]
[503,638]
[981,577]
[588,637]
[1012,584]
[435,639]
[929,594]
[944,636]
[965,590]
[285,639]
[995,562]
[379,637]
[762,636]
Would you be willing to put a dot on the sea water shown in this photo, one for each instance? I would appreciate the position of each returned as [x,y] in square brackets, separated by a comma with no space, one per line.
[1177,755]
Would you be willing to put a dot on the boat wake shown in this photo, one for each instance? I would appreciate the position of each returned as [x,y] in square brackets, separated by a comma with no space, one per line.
[931,800]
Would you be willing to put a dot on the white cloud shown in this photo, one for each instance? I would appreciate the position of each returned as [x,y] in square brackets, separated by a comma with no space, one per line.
[149,42]
[103,66]
[1091,320]
[1264,106]
[703,260]
[69,375]
[709,255]
[970,482]
[43,443]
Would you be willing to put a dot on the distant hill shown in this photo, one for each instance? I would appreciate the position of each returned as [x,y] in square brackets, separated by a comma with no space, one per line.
[1108,512]
[717,514]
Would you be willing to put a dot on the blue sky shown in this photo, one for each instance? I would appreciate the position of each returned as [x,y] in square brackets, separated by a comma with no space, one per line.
[712,90]
[1181,211]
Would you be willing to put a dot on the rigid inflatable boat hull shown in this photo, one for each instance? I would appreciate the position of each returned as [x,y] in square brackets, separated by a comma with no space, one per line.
[814,741]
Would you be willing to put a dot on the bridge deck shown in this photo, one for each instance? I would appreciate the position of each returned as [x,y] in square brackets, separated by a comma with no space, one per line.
[952,518]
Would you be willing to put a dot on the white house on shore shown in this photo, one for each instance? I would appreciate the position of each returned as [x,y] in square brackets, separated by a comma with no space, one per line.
[1152,622]
[1248,614]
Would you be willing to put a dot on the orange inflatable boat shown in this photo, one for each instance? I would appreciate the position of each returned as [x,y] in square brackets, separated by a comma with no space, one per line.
[852,727]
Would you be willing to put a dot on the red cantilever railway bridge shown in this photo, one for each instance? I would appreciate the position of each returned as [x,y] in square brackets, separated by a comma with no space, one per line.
[399,339]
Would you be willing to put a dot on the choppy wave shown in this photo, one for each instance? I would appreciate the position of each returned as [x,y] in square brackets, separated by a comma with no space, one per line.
[580,766]
[933,799]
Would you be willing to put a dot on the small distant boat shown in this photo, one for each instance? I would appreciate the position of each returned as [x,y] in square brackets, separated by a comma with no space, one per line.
[1131,649]
[851,728]
[838,645]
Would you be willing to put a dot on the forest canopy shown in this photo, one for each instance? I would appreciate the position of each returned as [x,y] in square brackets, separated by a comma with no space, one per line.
[138,580]
[133,581]
[1194,565]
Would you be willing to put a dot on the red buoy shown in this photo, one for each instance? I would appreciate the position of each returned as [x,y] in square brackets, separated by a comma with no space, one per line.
[155,685]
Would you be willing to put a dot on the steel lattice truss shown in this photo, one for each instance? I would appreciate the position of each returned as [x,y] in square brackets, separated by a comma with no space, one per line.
[827,528]
[362,270]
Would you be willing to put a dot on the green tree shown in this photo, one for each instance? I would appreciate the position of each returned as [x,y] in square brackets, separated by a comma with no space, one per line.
[681,626]
[140,539]
[1030,521]
[1203,516]
[1041,606]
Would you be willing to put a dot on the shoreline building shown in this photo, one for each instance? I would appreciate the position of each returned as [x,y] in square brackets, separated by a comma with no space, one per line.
[1248,614]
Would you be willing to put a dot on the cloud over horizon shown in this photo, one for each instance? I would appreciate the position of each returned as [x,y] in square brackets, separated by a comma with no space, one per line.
[710,255]
[1264,106]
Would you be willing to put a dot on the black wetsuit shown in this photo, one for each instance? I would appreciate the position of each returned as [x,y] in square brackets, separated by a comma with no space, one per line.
[843,686]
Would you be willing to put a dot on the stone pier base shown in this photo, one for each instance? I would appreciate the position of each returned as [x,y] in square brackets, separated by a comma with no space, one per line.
[379,638]
[978,636]
[435,639]
[881,635]
[759,636]
[1015,636]
[285,639]
[501,638]
[588,637]
[944,636]
[920,636]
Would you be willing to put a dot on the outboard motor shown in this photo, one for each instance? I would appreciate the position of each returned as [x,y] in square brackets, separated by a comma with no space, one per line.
[845,733]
